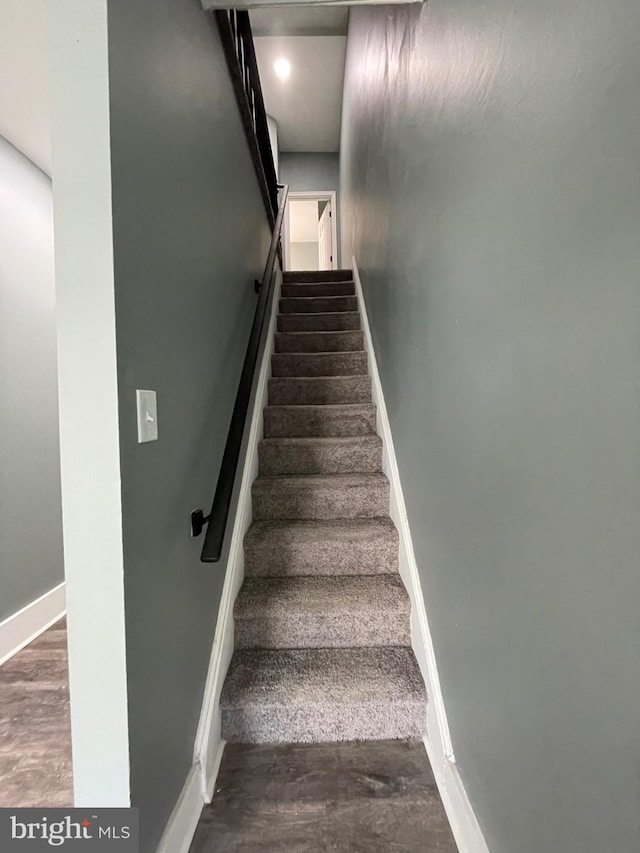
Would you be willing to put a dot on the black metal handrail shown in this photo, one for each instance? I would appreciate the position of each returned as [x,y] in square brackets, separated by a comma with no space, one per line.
[237,41]
[217,518]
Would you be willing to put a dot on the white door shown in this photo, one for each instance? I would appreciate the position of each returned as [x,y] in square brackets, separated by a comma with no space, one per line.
[325,249]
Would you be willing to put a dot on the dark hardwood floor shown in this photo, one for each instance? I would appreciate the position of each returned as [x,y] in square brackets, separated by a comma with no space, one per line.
[361,797]
[35,734]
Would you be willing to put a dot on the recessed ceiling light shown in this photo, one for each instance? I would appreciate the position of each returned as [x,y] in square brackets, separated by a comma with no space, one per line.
[282,67]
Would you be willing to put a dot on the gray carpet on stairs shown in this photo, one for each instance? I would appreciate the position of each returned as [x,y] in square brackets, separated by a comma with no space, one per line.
[322,622]
[320,421]
[320,288]
[318,390]
[341,341]
[317,304]
[319,322]
[322,612]
[321,455]
[313,695]
[319,364]
[355,546]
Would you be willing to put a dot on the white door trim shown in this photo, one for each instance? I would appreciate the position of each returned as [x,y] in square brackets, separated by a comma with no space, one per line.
[311,195]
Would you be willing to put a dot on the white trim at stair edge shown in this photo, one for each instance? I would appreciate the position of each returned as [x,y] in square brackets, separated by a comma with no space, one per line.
[22,628]
[464,825]
[184,818]
[200,783]
[209,745]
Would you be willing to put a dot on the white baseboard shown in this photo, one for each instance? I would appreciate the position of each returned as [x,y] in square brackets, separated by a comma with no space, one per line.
[209,744]
[21,628]
[438,741]
[463,822]
[184,818]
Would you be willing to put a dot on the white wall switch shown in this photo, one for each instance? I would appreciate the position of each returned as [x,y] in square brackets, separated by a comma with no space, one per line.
[147,416]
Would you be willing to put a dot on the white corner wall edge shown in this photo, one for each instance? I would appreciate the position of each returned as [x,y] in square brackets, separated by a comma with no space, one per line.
[22,627]
[89,457]
[209,743]
[464,825]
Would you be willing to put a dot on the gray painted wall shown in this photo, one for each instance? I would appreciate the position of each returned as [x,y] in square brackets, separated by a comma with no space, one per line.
[312,171]
[30,509]
[190,236]
[491,194]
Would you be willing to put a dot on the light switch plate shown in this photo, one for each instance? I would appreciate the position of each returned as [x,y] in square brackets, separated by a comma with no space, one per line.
[147,408]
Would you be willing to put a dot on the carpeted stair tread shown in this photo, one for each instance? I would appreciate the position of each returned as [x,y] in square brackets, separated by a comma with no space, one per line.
[318,390]
[289,548]
[340,341]
[344,455]
[319,322]
[346,419]
[322,621]
[320,695]
[319,288]
[320,496]
[300,276]
[317,304]
[322,612]
[278,597]
[319,364]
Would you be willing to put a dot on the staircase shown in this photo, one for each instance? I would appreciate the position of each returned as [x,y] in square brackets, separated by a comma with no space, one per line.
[322,621]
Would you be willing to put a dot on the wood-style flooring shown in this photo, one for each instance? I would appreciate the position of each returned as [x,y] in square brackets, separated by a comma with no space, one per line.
[35,733]
[361,797]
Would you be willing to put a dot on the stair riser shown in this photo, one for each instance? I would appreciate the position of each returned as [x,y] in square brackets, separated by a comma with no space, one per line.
[325,631]
[327,322]
[291,501]
[319,364]
[321,288]
[289,391]
[294,276]
[318,304]
[377,556]
[319,342]
[300,422]
[320,460]
[287,724]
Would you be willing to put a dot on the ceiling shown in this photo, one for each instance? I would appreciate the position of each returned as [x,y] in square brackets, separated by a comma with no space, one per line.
[307,105]
[300,21]
[25,109]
